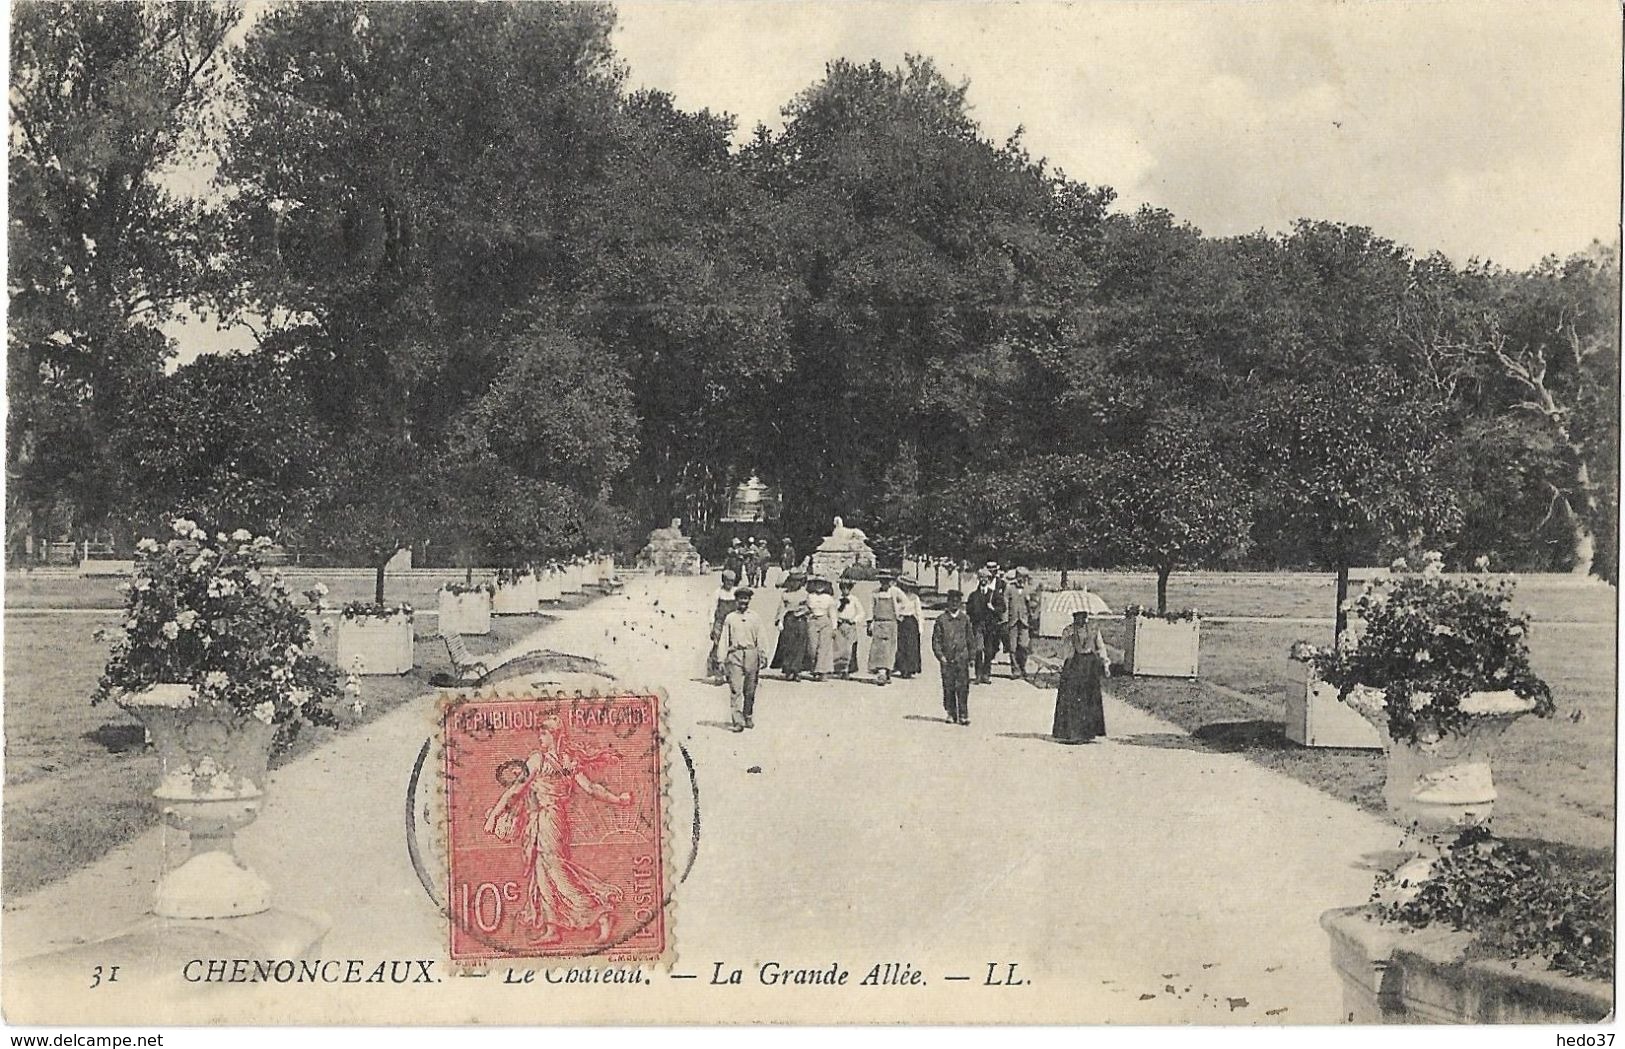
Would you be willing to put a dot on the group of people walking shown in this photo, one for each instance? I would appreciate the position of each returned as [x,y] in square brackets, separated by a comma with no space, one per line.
[818,624]
[750,559]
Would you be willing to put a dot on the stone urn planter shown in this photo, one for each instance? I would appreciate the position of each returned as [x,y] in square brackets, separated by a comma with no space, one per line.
[515,597]
[465,612]
[1157,647]
[212,774]
[1443,781]
[376,645]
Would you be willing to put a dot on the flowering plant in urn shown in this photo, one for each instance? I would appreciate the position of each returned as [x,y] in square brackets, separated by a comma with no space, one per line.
[204,613]
[1436,653]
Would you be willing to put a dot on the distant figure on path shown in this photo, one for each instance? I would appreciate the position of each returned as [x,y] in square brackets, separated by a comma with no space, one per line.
[739,650]
[761,560]
[1017,621]
[1080,713]
[735,561]
[953,643]
[792,657]
[821,606]
[883,628]
[985,606]
[849,620]
[909,614]
[787,555]
[724,603]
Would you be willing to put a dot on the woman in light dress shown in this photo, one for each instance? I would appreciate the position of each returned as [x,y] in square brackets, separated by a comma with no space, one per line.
[821,606]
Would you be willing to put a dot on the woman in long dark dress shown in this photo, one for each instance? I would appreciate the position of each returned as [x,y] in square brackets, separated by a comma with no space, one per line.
[790,656]
[1080,713]
[908,629]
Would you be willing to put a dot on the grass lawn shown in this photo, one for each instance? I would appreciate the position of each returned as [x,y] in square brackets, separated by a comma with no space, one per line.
[78,778]
[1555,776]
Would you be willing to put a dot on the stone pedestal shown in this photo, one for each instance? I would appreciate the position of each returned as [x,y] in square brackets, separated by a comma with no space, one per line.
[840,550]
[669,551]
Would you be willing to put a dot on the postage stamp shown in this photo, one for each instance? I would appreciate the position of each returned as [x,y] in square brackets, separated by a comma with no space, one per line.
[555,827]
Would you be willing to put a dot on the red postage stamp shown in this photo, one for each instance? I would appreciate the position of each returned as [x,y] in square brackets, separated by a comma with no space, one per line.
[555,825]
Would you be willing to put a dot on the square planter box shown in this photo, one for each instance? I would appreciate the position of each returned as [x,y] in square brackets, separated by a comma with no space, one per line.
[517,598]
[468,613]
[383,646]
[571,580]
[1315,717]
[550,585]
[1158,648]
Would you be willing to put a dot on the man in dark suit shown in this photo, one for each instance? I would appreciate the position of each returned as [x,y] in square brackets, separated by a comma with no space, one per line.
[954,646]
[985,607]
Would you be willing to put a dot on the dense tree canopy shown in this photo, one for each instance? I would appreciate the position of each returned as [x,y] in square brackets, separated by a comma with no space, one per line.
[510,309]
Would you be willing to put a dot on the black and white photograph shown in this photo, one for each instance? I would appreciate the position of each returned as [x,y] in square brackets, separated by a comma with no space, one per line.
[626,513]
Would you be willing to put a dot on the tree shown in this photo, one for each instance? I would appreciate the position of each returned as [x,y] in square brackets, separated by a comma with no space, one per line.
[1554,342]
[1171,498]
[228,440]
[1350,465]
[104,99]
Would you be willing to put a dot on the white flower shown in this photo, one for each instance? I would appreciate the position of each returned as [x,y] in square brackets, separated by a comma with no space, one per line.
[1423,656]
[1444,630]
[219,537]
[1419,700]
[1515,631]
[171,630]
[253,577]
[1433,570]
[265,711]
[222,588]
[216,680]
[1433,557]
[142,584]
[1482,562]
[263,542]
[147,546]
[130,624]
[1398,565]
[183,527]
[200,535]
[241,535]
[186,619]
[206,767]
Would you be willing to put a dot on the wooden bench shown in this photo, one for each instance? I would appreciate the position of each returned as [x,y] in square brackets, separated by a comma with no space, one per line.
[466,666]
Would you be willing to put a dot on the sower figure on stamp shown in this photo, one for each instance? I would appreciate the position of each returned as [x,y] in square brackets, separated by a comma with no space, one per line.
[954,645]
[739,650]
[534,812]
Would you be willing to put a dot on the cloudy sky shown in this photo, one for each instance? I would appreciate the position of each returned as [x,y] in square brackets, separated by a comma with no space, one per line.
[1478,128]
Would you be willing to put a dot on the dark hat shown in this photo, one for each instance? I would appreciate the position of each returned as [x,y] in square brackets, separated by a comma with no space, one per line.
[954,597]
[744,593]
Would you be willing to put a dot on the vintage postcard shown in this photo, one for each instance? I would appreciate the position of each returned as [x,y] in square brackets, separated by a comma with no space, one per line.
[878,512]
